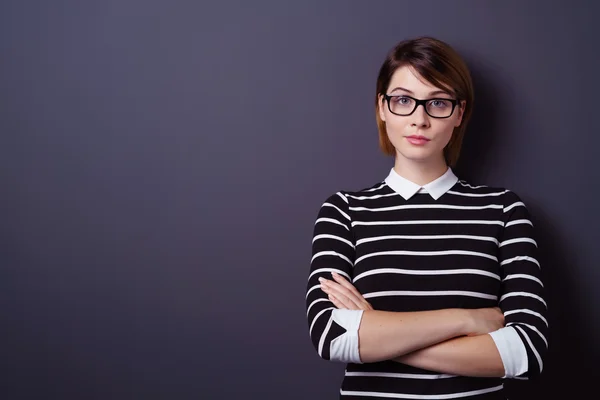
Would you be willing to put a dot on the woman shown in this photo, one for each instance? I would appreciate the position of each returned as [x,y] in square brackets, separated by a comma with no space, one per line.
[426,286]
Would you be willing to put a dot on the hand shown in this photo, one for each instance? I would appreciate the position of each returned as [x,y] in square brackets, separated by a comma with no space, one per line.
[484,320]
[343,294]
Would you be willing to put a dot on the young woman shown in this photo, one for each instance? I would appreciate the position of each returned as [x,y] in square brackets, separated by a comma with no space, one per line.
[427,287]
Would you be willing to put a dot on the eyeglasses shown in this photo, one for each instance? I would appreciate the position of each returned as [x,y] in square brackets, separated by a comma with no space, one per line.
[405,105]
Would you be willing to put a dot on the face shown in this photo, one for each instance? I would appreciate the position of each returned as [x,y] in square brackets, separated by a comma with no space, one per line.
[418,137]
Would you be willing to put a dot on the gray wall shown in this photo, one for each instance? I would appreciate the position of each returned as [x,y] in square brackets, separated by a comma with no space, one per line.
[162,163]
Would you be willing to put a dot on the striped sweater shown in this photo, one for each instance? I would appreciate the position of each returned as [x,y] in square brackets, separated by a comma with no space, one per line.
[409,248]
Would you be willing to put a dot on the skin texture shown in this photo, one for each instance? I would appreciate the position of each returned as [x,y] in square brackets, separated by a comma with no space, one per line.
[472,353]
[420,164]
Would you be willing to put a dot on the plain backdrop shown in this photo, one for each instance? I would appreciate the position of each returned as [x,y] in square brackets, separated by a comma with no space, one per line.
[162,164]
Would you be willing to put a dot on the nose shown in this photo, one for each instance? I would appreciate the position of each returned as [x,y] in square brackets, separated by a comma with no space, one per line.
[420,117]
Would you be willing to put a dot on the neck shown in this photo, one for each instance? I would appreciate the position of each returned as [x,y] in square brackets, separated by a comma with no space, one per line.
[420,173]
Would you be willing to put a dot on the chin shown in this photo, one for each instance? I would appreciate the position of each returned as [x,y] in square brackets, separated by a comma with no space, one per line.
[416,154]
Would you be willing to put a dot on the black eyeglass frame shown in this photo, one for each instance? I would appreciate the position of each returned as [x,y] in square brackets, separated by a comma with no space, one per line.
[419,102]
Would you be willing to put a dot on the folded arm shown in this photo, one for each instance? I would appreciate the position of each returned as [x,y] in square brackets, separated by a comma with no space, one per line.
[518,349]
[466,356]
[357,335]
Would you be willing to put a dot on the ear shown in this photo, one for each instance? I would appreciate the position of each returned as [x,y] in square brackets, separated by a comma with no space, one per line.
[380,108]
[461,112]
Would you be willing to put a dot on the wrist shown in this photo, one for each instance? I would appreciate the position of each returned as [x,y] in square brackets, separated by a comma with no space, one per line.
[465,318]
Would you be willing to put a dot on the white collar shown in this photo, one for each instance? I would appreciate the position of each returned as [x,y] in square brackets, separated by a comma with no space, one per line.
[435,188]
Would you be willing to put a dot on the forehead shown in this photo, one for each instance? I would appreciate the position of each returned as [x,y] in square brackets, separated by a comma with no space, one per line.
[408,78]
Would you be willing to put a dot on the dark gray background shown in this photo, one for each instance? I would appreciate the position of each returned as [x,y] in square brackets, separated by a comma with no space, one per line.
[162,164]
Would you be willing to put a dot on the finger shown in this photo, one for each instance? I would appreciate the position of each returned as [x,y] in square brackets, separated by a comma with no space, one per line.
[342,303]
[350,303]
[342,300]
[342,295]
[357,296]
[344,282]
[342,292]
[324,283]
[336,302]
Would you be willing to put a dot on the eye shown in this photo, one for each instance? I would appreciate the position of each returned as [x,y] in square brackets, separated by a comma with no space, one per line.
[440,103]
[402,100]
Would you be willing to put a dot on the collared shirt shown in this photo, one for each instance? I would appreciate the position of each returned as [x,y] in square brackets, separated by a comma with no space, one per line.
[385,233]
[435,188]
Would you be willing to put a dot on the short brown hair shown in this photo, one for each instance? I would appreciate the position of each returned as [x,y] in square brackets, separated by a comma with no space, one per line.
[439,64]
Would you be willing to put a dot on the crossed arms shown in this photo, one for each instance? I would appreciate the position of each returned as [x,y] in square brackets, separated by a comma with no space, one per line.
[506,342]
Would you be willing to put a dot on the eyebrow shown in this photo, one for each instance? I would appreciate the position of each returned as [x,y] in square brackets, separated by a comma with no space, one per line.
[435,92]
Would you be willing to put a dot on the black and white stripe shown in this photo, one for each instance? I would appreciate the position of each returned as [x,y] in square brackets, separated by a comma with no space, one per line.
[473,247]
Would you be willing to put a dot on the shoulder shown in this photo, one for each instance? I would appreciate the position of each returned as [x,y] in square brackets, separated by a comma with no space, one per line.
[343,200]
[507,197]
[368,192]
[470,188]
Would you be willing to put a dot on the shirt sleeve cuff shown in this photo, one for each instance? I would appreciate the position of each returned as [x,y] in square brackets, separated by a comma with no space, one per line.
[344,348]
[512,351]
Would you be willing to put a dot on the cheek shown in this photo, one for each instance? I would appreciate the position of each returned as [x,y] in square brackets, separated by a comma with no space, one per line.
[445,137]
[395,126]
[444,130]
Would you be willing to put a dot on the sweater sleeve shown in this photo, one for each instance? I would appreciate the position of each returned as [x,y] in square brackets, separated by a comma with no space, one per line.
[333,332]
[522,299]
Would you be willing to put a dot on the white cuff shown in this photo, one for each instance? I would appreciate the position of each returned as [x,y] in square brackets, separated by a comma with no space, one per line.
[344,348]
[512,351]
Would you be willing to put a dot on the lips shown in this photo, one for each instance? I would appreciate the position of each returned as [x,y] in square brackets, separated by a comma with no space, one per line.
[417,140]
